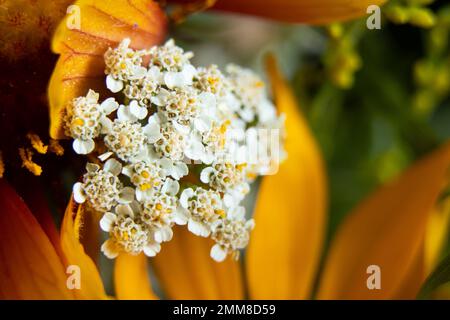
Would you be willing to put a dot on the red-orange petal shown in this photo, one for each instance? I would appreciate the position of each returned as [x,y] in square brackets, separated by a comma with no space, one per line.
[387,229]
[186,271]
[131,279]
[30,268]
[103,24]
[290,214]
[74,252]
[296,11]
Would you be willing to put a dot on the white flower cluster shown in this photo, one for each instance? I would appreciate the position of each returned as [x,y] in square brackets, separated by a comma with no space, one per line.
[171,149]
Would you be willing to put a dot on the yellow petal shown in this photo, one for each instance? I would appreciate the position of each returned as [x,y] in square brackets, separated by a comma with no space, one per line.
[436,234]
[30,268]
[91,283]
[387,229]
[131,279]
[186,271]
[103,24]
[309,11]
[285,246]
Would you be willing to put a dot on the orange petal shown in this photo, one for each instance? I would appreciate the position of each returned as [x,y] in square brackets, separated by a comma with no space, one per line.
[186,271]
[131,279]
[30,267]
[286,243]
[91,283]
[387,229]
[309,11]
[103,24]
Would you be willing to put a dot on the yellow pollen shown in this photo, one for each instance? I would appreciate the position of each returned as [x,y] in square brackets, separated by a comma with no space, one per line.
[259,84]
[56,148]
[241,166]
[158,206]
[224,126]
[78,122]
[123,65]
[220,213]
[251,175]
[145,186]
[37,143]
[27,161]
[123,140]
[145,174]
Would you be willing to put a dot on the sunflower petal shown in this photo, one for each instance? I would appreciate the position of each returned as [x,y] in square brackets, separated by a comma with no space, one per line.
[387,229]
[309,11]
[186,271]
[103,24]
[30,267]
[285,245]
[91,283]
[131,279]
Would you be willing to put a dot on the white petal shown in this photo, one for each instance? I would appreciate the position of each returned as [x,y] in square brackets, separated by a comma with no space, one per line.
[205,175]
[151,249]
[138,72]
[124,210]
[180,216]
[78,193]
[185,196]
[188,72]
[105,156]
[113,166]
[83,146]
[180,169]
[207,100]
[106,124]
[198,228]
[153,132]
[161,98]
[250,224]
[170,187]
[127,195]
[229,201]
[174,79]
[143,195]
[237,213]
[107,221]
[110,249]
[195,150]
[217,253]
[109,105]
[113,85]
[128,171]
[124,114]
[163,234]
[137,111]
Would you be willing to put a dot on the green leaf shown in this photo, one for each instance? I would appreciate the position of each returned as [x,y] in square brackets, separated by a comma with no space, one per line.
[439,277]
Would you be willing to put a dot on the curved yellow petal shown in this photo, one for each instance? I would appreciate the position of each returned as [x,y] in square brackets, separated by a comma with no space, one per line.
[131,279]
[305,11]
[285,246]
[387,229]
[436,234]
[102,24]
[30,267]
[186,271]
[91,282]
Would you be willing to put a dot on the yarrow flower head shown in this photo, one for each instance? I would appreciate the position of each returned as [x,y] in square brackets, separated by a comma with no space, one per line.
[172,150]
